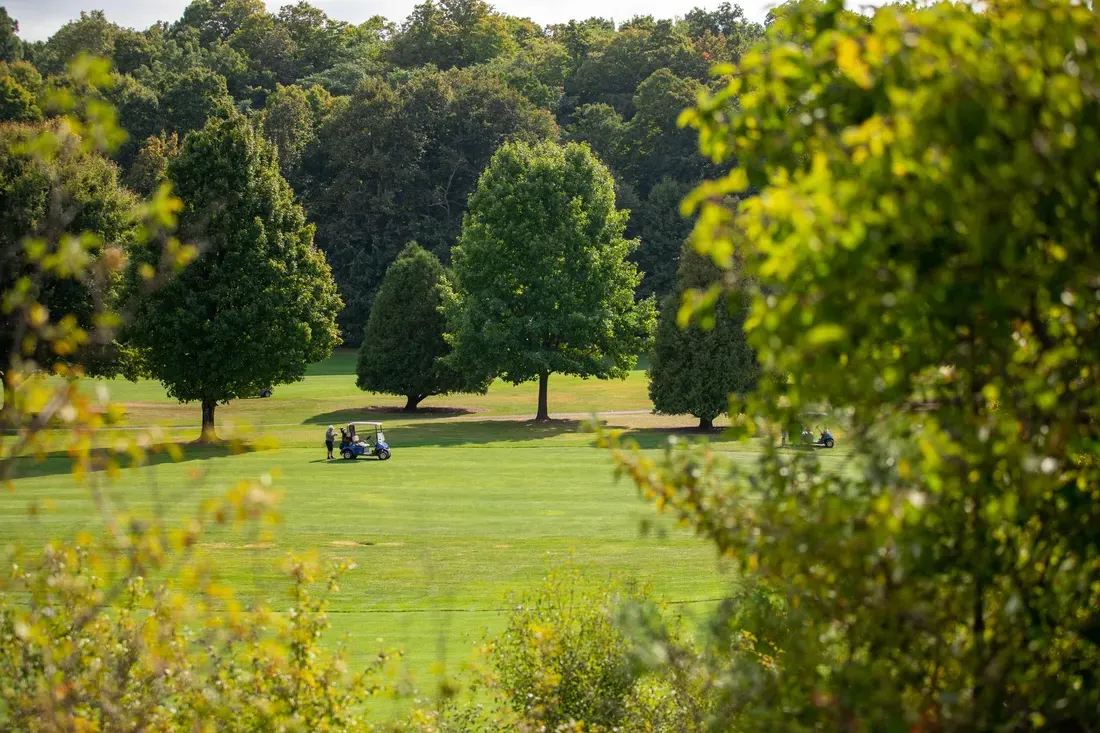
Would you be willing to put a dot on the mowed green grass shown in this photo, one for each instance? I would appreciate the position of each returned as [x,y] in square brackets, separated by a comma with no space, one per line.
[477,502]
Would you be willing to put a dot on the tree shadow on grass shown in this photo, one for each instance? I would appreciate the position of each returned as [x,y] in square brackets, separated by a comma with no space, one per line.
[59,462]
[384,412]
[477,432]
[652,438]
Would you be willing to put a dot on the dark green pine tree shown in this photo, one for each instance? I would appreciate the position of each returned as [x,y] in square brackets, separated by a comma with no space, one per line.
[694,370]
[403,342]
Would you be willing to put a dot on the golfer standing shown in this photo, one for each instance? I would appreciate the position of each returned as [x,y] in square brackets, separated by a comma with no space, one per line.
[330,436]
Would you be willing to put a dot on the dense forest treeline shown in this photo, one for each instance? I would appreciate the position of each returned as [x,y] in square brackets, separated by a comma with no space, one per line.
[383,128]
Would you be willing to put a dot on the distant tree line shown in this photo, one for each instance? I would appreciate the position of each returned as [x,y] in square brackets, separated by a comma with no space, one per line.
[383,132]
[383,128]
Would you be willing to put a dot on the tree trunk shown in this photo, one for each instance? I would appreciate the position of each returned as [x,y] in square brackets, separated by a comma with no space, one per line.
[9,401]
[706,423]
[208,435]
[543,413]
[412,401]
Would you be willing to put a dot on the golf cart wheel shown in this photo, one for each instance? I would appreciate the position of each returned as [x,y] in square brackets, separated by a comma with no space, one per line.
[829,443]
[348,455]
[383,455]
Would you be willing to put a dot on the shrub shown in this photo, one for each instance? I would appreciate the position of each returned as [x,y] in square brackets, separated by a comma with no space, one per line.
[596,656]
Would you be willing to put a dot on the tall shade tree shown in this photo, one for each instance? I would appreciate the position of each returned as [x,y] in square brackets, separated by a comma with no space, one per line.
[289,122]
[612,74]
[217,20]
[543,281]
[695,367]
[319,41]
[403,347]
[723,34]
[259,304]
[924,256]
[537,71]
[451,33]
[17,103]
[655,147]
[139,109]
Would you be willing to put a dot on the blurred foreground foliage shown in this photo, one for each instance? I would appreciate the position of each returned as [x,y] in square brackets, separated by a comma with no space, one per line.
[127,628]
[573,657]
[921,256]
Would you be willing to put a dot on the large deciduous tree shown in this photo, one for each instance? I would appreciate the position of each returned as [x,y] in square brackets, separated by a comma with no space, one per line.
[659,161]
[655,148]
[923,257]
[139,110]
[259,304]
[17,103]
[90,34]
[150,167]
[217,20]
[543,281]
[404,347]
[611,75]
[289,121]
[319,41]
[723,34]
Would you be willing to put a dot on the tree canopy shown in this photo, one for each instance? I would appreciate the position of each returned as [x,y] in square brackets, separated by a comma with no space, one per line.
[421,147]
[11,47]
[907,200]
[482,77]
[75,185]
[259,304]
[543,283]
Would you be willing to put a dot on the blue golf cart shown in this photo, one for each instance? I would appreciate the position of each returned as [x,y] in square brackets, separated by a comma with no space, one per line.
[363,439]
[824,440]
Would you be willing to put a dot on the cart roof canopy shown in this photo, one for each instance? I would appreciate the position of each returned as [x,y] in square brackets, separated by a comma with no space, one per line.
[372,424]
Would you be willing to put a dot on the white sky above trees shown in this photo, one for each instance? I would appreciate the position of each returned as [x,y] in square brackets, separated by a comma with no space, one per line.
[38,19]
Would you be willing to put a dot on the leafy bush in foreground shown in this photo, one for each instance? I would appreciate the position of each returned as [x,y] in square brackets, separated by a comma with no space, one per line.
[922,248]
[568,655]
[127,629]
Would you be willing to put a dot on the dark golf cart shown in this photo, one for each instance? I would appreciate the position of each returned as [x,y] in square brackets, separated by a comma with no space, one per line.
[824,438]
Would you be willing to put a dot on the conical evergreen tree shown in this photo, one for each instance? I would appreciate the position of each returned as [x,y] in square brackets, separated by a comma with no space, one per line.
[403,342]
[693,370]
